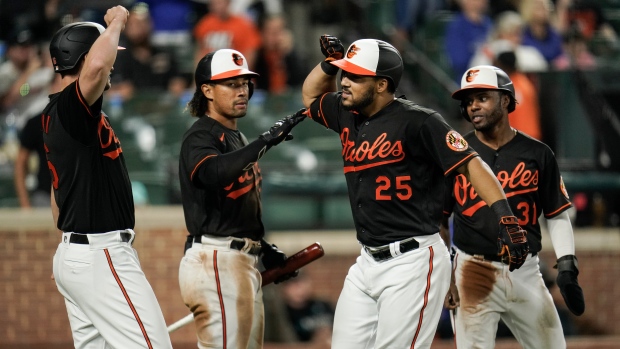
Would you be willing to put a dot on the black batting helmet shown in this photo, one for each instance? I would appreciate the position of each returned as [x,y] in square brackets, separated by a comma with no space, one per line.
[485,77]
[72,42]
[373,57]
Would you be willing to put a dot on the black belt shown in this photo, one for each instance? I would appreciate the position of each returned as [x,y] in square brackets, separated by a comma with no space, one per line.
[237,244]
[82,239]
[494,257]
[383,253]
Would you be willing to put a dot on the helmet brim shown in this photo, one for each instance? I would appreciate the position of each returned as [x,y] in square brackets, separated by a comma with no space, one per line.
[352,68]
[459,94]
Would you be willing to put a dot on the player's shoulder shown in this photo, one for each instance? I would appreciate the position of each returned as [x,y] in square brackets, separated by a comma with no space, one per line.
[203,125]
[532,143]
[412,110]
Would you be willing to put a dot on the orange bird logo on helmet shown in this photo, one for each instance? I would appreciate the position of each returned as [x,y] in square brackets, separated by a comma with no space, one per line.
[352,51]
[237,59]
[471,75]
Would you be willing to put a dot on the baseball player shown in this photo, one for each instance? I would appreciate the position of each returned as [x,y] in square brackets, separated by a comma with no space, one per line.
[396,154]
[220,188]
[109,300]
[529,174]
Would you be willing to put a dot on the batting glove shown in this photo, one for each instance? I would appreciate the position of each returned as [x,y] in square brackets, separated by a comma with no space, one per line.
[569,287]
[512,242]
[332,49]
[272,258]
[280,131]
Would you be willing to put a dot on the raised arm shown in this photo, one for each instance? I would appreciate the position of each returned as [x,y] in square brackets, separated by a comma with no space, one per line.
[322,78]
[100,59]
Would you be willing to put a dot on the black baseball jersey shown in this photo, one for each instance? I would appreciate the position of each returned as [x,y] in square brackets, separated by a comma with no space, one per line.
[31,138]
[86,162]
[394,164]
[210,207]
[527,170]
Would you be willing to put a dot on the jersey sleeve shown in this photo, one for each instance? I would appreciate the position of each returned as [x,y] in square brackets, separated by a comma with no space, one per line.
[325,111]
[210,167]
[446,146]
[78,118]
[553,195]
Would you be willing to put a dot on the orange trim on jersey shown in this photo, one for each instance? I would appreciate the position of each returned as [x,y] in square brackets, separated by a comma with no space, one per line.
[131,306]
[557,211]
[77,90]
[426,292]
[459,163]
[219,295]
[321,114]
[348,169]
[191,176]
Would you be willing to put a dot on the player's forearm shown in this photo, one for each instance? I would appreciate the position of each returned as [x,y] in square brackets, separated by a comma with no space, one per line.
[561,234]
[484,181]
[316,84]
[223,169]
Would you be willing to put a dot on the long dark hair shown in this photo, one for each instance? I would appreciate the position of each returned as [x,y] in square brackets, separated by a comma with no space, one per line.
[198,105]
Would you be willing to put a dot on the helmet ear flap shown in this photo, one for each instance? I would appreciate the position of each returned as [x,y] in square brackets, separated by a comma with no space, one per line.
[463,108]
[251,88]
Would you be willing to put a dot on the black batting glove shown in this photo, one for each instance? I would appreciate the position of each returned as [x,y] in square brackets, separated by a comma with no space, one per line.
[569,287]
[512,242]
[272,258]
[280,131]
[332,49]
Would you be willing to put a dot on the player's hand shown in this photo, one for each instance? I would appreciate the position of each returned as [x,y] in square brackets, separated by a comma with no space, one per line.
[452,300]
[569,287]
[332,49]
[512,242]
[281,130]
[272,258]
[116,13]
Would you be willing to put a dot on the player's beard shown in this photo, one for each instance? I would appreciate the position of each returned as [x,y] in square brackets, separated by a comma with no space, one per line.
[365,100]
[491,120]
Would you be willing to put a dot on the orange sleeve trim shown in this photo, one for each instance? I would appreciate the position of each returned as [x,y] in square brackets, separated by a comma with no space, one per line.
[77,91]
[191,176]
[321,114]
[460,163]
[550,215]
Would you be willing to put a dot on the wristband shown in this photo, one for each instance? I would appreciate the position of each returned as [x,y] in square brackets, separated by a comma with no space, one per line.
[329,69]
[502,208]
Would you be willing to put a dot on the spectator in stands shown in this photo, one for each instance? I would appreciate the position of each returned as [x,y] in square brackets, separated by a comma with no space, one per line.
[277,61]
[307,320]
[539,31]
[526,116]
[467,31]
[24,78]
[411,14]
[576,55]
[144,67]
[173,21]
[588,17]
[508,31]
[220,28]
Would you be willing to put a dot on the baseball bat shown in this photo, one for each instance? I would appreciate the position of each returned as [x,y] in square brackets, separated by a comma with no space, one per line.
[292,263]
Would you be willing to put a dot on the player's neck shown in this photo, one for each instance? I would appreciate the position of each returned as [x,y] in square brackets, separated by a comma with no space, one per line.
[496,137]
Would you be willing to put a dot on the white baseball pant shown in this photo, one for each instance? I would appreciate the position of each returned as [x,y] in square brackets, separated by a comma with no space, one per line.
[394,303]
[222,287]
[109,300]
[488,291]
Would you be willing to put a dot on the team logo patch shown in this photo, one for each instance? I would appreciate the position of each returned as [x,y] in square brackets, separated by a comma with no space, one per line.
[352,51]
[471,75]
[455,141]
[563,188]
[237,59]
